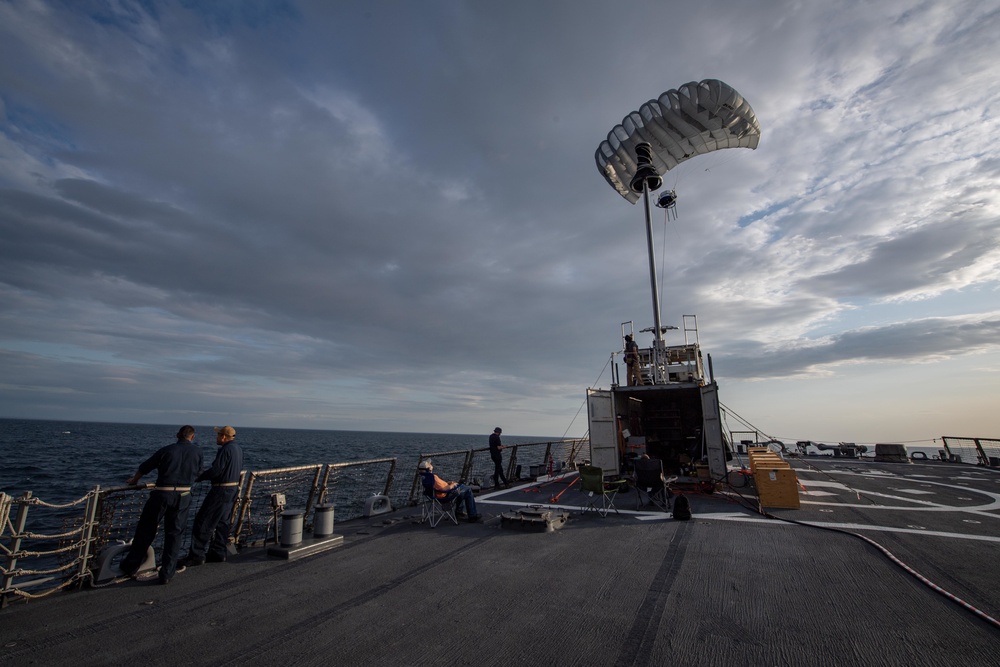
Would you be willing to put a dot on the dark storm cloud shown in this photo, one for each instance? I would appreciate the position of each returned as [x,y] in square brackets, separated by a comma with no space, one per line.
[298,212]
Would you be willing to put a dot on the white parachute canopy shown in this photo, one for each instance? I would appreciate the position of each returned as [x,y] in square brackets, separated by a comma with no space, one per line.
[697,118]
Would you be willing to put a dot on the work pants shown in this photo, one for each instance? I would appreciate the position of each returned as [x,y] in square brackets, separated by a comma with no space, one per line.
[464,496]
[498,470]
[171,507]
[635,374]
[210,534]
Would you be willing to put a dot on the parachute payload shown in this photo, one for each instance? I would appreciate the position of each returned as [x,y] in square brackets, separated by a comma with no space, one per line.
[697,118]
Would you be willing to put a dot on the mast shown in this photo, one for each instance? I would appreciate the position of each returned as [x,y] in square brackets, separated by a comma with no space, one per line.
[645,180]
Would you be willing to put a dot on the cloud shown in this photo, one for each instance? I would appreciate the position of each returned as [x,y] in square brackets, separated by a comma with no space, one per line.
[349,215]
[918,341]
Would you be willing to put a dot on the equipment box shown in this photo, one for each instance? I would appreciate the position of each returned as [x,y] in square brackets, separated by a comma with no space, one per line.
[534,519]
[777,488]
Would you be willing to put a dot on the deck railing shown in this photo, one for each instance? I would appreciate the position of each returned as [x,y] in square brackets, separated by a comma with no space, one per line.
[521,462]
[982,451]
[46,547]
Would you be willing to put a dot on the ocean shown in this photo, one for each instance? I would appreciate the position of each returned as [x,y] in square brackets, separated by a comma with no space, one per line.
[60,461]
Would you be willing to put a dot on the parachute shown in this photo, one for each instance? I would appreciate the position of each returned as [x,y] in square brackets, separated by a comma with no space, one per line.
[697,118]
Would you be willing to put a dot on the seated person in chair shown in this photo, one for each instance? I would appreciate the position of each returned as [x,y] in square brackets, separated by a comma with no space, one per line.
[449,490]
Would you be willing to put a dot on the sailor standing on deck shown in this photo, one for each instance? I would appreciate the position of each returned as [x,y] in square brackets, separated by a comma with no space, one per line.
[632,361]
[176,467]
[497,457]
[210,534]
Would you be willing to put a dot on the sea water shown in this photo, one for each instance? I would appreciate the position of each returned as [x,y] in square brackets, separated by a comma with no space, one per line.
[60,461]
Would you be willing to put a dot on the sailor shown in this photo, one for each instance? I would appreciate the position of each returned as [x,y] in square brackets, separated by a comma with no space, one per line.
[443,490]
[176,467]
[497,457]
[210,534]
[632,362]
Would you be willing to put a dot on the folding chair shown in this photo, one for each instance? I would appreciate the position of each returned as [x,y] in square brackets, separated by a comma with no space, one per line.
[434,509]
[649,483]
[592,483]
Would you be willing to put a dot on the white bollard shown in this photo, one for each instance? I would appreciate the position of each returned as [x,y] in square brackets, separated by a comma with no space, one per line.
[291,527]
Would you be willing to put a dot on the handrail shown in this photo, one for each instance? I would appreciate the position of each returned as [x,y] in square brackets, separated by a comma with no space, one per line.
[109,514]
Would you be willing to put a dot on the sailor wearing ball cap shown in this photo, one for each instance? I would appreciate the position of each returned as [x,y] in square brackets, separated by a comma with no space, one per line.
[495,448]
[210,534]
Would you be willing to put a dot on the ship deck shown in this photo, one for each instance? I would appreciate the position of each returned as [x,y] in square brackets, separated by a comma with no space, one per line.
[729,586]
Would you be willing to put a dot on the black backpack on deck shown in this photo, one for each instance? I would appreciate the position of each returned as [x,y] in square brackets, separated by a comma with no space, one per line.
[682,508]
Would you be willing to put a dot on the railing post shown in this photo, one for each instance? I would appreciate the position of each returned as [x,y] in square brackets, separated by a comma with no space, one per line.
[389,478]
[234,511]
[512,461]
[983,459]
[88,531]
[315,490]
[15,546]
[466,467]
[416,478]
[244,509]
[324,485]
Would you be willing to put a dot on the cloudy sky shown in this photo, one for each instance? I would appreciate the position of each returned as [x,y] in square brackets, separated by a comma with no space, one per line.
[386,215]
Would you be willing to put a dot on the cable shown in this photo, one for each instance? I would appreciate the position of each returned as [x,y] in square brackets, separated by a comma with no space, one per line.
[921,578]
[584,402]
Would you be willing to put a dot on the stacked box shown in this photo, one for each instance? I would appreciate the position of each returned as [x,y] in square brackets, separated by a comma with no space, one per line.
[766,460]
[777,488]
[776,482]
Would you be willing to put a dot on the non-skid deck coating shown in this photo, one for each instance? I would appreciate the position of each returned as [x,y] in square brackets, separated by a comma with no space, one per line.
[725,588]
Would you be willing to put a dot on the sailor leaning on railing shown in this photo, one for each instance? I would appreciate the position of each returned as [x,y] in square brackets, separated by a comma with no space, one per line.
[176,466]
[210,533]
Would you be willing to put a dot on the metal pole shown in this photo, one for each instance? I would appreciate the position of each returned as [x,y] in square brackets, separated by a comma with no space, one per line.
[647,179]
[89,523]
[652,266]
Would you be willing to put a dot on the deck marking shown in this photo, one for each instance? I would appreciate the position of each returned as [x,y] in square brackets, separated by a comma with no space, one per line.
[825,484]
[641,637]
[851,526]
[929,506]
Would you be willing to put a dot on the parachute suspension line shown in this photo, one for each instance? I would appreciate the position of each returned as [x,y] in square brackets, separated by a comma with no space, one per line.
[668,202]
[679,170]
[723,162]
[663,253]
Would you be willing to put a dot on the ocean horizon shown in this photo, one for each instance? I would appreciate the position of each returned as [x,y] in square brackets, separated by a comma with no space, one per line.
[59,460]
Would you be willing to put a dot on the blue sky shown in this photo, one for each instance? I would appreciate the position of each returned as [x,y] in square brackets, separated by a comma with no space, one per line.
[387,215]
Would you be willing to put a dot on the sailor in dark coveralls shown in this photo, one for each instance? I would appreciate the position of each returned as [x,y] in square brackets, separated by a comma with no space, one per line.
[210,534]
[176,467]
[497,458]
[632,362]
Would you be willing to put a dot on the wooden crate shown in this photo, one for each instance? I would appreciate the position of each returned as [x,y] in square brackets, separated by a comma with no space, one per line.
[777,487]
[767,460]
